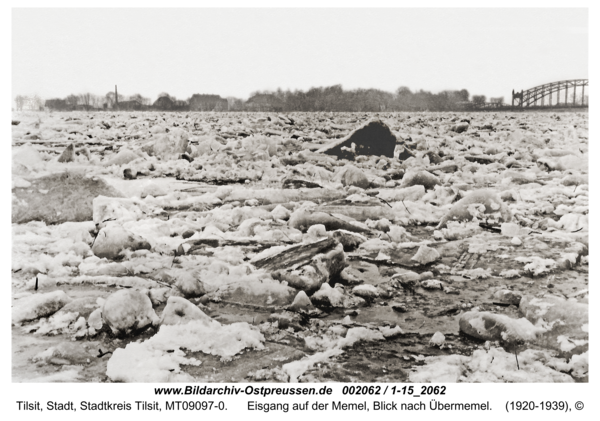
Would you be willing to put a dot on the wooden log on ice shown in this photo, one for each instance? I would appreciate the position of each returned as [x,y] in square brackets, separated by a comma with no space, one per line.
[202,243]
[297,255]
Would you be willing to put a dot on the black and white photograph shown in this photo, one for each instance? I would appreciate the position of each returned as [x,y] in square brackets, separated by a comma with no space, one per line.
[384,196]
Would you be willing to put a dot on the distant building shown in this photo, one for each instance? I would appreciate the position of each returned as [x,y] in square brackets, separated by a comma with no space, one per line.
[57,105]
[264,102]
[202,102]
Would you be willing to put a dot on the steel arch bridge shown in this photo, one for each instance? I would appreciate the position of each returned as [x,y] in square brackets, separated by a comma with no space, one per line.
[542,95]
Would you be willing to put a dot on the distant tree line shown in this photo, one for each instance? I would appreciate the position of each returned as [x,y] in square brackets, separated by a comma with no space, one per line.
[335,98]
[330,98]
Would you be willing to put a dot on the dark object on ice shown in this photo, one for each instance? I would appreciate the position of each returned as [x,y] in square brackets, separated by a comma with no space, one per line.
[374,138]
[68,154]
[186,157]
[128,174]
[36,283]
[58,198]
[15,123]
[298,184]
[399,308]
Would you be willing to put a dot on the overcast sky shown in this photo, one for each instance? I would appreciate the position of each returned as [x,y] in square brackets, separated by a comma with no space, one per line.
[232,52]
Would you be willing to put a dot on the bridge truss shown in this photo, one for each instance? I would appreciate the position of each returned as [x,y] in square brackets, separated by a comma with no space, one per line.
[550,94]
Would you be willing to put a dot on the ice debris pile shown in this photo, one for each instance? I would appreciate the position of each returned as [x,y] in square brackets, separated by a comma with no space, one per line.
[179,243]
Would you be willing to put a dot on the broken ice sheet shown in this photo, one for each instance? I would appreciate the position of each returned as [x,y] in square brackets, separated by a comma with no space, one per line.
[503,200]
